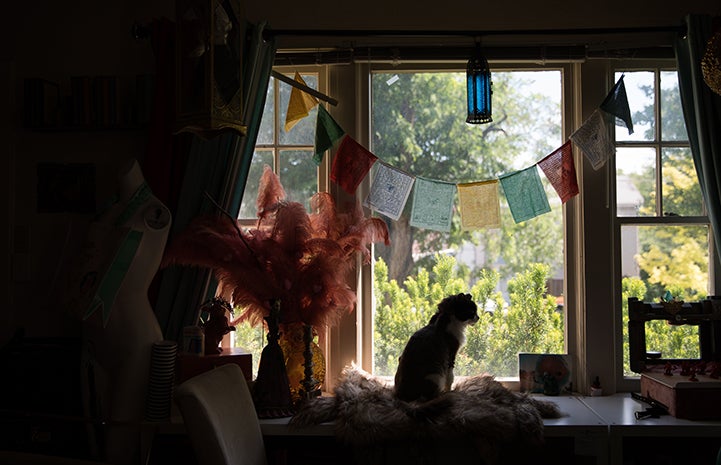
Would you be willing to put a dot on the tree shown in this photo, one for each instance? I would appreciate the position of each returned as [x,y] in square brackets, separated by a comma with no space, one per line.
[418,127]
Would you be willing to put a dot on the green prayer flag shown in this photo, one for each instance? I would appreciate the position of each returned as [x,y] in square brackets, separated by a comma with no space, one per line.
[525,194]
[327,132]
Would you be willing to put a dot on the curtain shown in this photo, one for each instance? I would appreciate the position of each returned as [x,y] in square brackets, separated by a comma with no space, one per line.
[702,113]
[218,166]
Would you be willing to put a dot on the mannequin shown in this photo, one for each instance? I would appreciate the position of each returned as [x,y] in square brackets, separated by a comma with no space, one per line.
[120,326]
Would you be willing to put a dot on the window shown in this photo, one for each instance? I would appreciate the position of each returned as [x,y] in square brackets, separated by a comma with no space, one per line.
[643,209]
[290,154]
[515,272]
[660,220]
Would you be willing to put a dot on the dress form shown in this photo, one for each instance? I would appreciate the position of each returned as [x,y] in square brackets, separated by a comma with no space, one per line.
[118,337]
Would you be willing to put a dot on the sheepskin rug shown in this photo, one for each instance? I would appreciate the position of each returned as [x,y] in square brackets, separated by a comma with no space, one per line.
[365,413]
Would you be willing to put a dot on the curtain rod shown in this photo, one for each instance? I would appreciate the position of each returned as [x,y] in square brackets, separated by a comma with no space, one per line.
[269,33]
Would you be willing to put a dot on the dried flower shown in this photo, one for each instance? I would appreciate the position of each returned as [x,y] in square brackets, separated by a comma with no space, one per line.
[301,259]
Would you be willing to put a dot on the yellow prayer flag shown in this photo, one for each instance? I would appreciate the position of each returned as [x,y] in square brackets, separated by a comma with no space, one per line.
[479,205]
[299,105]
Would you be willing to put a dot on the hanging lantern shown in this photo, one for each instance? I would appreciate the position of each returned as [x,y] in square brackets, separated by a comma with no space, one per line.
[478,79]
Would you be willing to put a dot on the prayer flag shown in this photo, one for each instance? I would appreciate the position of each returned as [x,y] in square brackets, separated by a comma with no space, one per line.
[592,137]
[299,104]
[561,171]
[432,204]
[351,164]
[389,191]
[478,202]
[616,104]
[525,194]
[327,132]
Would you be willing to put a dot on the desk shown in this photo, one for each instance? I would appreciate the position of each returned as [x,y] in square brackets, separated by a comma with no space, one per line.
[602,430]
[598,430]
[665,432]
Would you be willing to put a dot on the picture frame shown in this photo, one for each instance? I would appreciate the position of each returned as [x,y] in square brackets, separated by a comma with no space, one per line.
[550,374]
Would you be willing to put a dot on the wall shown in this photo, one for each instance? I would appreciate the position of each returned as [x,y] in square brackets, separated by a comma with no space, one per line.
[54,41]
[57,40]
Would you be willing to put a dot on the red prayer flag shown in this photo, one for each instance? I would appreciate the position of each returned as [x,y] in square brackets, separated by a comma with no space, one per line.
[351,164]
[561,171]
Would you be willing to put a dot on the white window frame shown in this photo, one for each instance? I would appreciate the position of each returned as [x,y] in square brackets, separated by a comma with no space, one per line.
[632,383]
[344,349]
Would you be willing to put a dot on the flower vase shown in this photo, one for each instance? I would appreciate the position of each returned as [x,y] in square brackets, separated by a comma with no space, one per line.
[271,390]
[304,361]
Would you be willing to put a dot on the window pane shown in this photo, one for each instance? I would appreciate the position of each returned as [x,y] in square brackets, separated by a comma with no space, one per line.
[418,125]
[681,191]
[673,126]
[267,123]
[303,133]
[299,175]
[640,91]
[635,181]
[656,259]
[261,158]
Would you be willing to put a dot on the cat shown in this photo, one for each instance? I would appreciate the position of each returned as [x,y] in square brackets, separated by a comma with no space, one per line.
[425,368]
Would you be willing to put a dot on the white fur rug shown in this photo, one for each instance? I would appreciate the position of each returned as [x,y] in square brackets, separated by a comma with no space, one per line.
[365,413]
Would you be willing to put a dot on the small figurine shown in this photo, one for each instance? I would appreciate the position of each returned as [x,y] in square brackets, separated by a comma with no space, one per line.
[693,375]
[596,389]
[667,369]
[216,325]
[715,370]
[685,368]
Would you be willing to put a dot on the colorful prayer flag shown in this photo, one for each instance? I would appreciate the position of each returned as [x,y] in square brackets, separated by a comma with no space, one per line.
[525,194]
[327,132]
[593,140]
[616,104]
[351,164]
[561,171]
[478,202]
[432,204]
[299,104]
[389,191]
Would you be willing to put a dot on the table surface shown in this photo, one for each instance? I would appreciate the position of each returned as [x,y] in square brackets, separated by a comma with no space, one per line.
[580,415]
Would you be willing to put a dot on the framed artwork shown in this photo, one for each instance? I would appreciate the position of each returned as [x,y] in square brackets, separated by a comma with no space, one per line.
[544,373]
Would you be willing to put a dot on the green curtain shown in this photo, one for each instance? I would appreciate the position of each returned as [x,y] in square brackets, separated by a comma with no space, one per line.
[218,166]
[702,113]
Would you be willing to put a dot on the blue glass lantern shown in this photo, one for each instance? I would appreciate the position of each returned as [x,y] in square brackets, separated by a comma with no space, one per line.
[478,79]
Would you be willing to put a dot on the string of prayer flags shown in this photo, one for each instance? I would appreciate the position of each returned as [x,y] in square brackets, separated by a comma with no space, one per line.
[389,191]
[616,104]
[479,205]
[327,133]
[351,163]
[525,194]
[432,204]
[561,171]
[299,105]
[592,137]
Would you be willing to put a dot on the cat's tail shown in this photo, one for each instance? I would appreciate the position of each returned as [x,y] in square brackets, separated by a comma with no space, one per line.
[427,410]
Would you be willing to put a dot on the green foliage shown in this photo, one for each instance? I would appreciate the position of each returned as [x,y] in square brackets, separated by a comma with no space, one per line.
[529,323]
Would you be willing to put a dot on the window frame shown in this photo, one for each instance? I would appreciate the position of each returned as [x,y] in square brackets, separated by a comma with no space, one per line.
[632,383]
[572,305]
[591,231]
[323,177]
